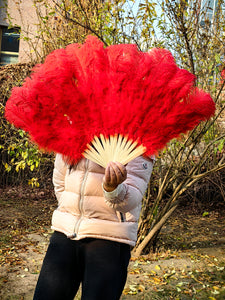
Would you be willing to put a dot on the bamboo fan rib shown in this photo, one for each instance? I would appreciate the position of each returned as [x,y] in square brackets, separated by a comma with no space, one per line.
[115,148]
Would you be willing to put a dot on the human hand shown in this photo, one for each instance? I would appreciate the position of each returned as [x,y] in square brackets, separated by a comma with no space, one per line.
[115,173]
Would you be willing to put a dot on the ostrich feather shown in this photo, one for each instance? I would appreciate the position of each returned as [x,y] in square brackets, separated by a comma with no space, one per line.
[107,103]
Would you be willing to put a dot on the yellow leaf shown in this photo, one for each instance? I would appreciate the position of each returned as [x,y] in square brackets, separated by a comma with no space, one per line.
[157,280]
[126,291]
[132,289]
[157,267]
[141,288]
[134,271]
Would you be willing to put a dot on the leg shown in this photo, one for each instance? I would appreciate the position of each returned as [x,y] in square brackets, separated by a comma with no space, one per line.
[59,277]
[105,269]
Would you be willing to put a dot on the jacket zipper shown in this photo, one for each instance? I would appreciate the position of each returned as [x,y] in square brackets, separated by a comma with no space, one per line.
[77,224]
[122,217]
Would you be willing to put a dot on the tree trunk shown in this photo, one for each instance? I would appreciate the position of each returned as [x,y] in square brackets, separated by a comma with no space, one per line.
[144,243]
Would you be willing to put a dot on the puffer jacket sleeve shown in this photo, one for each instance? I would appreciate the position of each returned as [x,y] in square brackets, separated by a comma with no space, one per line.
[59,174]
[129,194]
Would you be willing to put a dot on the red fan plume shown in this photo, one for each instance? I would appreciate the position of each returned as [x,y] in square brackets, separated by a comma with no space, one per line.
[110,99]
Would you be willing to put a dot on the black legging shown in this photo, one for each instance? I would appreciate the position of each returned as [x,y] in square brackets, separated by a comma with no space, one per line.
[100,265]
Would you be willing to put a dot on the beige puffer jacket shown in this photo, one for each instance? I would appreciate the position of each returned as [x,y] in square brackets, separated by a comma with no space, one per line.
[85,210]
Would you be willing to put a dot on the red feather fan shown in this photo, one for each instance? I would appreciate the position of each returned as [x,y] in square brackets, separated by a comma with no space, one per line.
[109,99]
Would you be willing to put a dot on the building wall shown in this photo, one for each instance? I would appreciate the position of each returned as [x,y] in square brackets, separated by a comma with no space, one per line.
[2,13]
[22,14]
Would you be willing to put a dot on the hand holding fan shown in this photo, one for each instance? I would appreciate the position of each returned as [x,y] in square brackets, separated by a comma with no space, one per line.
[107,104]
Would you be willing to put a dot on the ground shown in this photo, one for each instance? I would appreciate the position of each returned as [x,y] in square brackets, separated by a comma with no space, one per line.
[189,262]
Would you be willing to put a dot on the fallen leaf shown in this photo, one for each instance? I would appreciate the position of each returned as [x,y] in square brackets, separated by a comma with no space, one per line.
[215,288]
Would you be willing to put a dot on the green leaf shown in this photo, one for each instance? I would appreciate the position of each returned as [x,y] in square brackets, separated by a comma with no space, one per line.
[221,144]
[217,58]
[205,214]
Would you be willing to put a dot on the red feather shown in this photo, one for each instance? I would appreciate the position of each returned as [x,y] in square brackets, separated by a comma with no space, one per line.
[86,90]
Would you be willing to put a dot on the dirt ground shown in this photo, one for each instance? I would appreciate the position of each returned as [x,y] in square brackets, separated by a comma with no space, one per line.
[189,262]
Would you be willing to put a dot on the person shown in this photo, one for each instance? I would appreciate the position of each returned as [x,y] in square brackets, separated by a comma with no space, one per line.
[95,226]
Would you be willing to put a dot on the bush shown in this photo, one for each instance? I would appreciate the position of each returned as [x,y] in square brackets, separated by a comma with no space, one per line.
[21,161]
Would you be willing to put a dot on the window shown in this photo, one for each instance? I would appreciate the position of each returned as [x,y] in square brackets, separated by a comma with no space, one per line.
[9,43]
[208,8]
